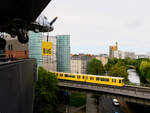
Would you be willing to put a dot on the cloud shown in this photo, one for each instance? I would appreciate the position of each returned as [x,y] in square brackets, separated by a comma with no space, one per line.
[133,24]
[101,23]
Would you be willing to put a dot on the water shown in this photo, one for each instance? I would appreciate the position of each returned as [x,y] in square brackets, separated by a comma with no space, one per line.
[133,76]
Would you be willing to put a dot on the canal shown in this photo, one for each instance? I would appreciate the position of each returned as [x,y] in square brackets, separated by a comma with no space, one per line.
[133,76]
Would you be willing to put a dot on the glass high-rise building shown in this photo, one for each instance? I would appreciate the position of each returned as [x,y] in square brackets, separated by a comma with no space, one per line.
[35,46]
[63,53]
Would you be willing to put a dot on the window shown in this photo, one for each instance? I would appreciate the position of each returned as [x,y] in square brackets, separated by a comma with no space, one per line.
[69,75]
[61,75]
[73,76]
[91,78]
[12,56]
[11,47]
[66,75]
[8,47]
[114,80]
[25,52]
[97,79]
[106,79]
[82,77]
[119,81]
[101,79]
[78,76]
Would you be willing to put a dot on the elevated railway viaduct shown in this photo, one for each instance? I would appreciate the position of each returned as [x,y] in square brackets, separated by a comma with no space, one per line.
[140,95]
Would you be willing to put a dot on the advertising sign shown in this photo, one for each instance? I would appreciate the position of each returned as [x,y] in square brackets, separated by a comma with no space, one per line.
[47,48]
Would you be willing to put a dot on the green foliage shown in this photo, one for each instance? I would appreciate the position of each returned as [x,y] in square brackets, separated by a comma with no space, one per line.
[145,70]
[95,67]
[118,71]
[77,99]
[143,76]
[45,92]
[113,61]
[141,66]
[107,66]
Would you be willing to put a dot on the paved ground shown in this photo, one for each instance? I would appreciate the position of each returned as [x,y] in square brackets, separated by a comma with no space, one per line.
[106,106]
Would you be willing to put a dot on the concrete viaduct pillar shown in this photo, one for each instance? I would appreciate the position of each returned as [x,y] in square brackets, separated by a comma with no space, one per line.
[92,104]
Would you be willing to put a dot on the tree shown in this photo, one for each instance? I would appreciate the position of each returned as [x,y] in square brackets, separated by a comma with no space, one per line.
[145,70]
[118,71]
[45,92]
[95,67]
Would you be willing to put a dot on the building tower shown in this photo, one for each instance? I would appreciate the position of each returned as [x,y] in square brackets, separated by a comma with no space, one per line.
[113,51]
[63,53]
[35,46]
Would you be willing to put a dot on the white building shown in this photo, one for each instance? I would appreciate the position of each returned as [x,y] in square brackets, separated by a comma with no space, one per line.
[79,64]
[142,56]
[103,59]
[125,54]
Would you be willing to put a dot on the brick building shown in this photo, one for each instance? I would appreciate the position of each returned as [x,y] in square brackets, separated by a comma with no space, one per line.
[14,49]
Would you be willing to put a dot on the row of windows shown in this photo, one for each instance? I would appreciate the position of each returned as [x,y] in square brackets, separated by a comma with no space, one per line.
[114,80]
[102,79]
[78,77]
[71,76]
[10,47]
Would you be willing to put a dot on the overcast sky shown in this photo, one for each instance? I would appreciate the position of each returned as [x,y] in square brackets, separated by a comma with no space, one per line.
[93,25]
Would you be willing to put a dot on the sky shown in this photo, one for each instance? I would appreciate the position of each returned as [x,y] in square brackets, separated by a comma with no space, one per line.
[94,25]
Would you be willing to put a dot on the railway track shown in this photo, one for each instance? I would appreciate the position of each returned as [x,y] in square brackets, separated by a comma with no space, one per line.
[126,87]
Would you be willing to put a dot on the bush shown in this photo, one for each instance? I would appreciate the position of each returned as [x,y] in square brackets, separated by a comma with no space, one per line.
[45,92]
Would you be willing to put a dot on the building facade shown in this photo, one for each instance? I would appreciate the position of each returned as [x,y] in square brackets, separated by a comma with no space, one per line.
[14,49]
[113,51]
[35,46]
[126,54]
[63,53]
[79,63]
[103,59]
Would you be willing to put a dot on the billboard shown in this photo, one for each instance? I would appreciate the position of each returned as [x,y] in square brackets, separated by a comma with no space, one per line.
[47,48]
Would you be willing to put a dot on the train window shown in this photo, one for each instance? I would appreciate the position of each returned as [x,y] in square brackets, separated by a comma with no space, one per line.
[97,79]
[73,76]
[66,75]
[83,77]
[119,81]
[69,76]
[78,76]
[113,80]
[91,78]
[61,75]
[102,79]
[106,79]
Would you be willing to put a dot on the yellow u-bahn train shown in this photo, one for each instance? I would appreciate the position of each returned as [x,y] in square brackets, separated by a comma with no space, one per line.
[96,79]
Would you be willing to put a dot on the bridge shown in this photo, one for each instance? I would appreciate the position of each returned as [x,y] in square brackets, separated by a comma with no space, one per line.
[133,94]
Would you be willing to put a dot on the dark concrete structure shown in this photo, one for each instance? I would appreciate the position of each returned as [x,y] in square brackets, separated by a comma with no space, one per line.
[131,94]
[17,86]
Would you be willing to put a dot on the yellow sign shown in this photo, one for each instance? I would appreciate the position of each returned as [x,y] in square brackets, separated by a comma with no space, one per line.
[47,48]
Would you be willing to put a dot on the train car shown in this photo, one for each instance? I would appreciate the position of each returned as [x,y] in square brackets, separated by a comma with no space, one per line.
[70,76]
[96,79]
[108,80]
